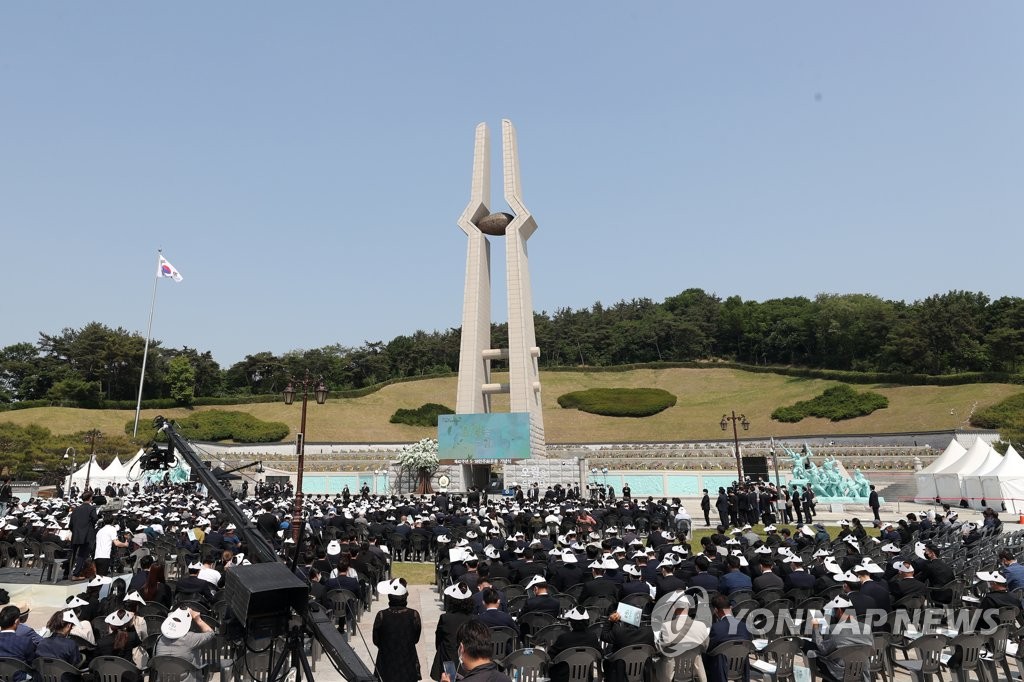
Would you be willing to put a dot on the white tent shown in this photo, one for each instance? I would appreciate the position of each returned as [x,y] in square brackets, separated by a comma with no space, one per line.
[971,484]
[947,481]
[114,471]
[926,490]
[84,471]
[1004,485]
[131,463]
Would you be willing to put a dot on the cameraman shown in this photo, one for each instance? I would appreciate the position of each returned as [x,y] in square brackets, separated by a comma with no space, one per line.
[106,540]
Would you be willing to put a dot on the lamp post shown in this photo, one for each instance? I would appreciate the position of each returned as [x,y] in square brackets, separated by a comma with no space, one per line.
[742,419]
[91,435]
[320,393]
[71,471]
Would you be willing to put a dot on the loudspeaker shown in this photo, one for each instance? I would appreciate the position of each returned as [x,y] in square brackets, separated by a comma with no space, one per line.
[263,591]
[755,468]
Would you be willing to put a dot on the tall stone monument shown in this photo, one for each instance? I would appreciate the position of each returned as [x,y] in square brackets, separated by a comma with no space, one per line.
[475,386]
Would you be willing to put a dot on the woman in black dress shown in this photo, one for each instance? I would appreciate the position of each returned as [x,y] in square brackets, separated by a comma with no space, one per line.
[396,630]
[459,608]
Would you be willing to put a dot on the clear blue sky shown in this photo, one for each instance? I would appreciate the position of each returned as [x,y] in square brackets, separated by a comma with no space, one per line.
[303,165]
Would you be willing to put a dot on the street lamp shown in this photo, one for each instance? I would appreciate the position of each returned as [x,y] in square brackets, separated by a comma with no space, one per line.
[71,471]
[742,419]
[320,393]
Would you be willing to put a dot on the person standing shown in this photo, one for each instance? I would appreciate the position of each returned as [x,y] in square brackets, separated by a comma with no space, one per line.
[396,631]
[6,496]
[722,505]
[873,503]
[106,540]
[627,492]
[808,500]
[83,535]
[705,506]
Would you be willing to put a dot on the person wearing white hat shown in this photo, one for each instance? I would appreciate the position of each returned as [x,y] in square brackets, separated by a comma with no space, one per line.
[396,631]
[678,634]
[120,639]
[998,595]
[176,638]
[906,585]
[602,584]
[59,644]
[844,630]
[459,608]
[579,635]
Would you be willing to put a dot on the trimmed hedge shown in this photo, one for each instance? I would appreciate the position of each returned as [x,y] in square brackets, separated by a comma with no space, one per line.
[836,404]
[1007,416]
[619,402]
[424,415]
[216,425]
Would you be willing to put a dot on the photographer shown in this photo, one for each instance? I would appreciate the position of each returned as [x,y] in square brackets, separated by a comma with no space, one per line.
[106,540]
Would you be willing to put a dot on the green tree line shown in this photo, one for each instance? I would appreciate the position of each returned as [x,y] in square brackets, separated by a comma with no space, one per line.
[951,333]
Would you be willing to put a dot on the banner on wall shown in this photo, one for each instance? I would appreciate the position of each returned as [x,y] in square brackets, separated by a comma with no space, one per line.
[483,438]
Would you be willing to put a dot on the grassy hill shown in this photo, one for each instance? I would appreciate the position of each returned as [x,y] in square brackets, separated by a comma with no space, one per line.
[703,396]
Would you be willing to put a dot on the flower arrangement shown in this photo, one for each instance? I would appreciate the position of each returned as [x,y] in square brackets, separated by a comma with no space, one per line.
[420,455]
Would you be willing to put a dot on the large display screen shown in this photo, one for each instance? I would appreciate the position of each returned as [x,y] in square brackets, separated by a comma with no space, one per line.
[499,435]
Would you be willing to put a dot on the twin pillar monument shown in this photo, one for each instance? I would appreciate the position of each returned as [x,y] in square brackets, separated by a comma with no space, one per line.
[475,432]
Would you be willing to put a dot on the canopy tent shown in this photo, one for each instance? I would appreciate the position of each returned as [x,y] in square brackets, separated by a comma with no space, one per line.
[131,463]
[948,481]
[84,471]
[926,490]
[971,484]
[1004,485]
[114,471]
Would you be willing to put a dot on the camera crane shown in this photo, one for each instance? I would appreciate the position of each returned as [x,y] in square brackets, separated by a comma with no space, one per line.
[315,622]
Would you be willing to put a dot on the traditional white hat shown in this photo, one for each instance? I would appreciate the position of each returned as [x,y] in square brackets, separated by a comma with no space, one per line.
[852,541]
[632,570]
[831,565]
[135,597]
[668,560]
[763,549]
[76,602]
[870,566]
[770,529]
[443,539]
[818,553]
[578,613]
[392,587]
[892,548]
[492,552]
[534,582]
[99,581]
[458,591]
[844,522]
[743,559]
[195,566]
[839,603]
[848,577]
[993,577]
[177,623]
[732,541]
[807,530]
[334,548]
[793,559]
[70,617]
[919,549]
[746,527]
[118,621]
[903,566]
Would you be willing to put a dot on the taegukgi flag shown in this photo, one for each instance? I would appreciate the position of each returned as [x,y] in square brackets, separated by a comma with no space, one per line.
[168,270]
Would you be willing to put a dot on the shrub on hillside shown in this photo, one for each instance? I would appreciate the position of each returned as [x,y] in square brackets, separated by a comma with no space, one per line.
[836,404]
[424,415]
[217,425]
[619,402]
[1007,416]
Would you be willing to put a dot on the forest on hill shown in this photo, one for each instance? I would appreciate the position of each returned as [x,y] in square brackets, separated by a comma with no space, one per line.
[946,334]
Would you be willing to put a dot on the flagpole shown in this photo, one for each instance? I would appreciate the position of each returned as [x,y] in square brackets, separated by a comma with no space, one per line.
[145,352]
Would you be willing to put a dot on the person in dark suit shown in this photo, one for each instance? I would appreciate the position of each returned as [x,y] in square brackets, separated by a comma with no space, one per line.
[705,507]
[873,503]
[998,596]
[702,579]
[459,610]
[936,573]
[734,580]
[139,578]
[727,628]
[579,636]
[617,635]
[768,580]
[492,615]
[600,585]
[83,535]
[798,578]
[722,505]
[541,602]
[906,585]
[13,645]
